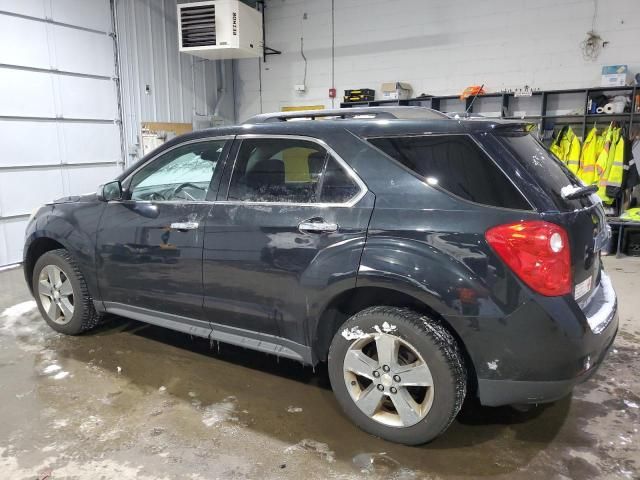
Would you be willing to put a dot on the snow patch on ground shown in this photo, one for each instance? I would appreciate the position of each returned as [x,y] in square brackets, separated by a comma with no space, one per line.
[52,369]
[292,409]
[308,445]
[220,412]
[19,309]
[631,404]
[60,375]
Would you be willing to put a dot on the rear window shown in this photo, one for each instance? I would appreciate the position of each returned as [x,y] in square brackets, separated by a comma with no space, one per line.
[548,171]
[456,164]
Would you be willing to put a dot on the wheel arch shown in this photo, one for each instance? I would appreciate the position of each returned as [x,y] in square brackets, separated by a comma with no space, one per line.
[356,299]
[34,250]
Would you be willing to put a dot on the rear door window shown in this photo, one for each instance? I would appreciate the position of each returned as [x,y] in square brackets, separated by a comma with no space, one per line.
[456,164]
[289,171]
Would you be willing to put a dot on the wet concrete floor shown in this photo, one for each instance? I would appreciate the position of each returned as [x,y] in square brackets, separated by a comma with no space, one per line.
[136,401]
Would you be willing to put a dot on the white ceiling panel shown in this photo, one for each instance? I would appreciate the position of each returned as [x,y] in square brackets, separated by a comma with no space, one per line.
[18,37]
[26,94]
[88,143]
[87,98]
[95,14]
[80,51]
[29,143]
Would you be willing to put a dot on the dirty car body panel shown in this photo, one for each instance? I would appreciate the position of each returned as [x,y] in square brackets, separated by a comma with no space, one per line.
[247,274]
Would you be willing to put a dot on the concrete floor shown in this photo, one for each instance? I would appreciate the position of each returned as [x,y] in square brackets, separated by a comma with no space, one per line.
[136,401]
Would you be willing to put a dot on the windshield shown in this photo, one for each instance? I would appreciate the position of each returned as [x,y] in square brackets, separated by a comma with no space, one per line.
[548,171]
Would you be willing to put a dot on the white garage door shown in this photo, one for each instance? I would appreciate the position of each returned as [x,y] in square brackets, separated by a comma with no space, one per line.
[59,128]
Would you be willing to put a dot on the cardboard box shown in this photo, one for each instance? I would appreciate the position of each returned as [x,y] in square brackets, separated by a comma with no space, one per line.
[396,91]
[614,76]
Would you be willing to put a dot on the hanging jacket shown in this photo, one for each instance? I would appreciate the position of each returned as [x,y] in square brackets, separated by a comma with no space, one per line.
[616,171]
[603,165]
[588,157]
[566,147]
[610,165]
[631,156]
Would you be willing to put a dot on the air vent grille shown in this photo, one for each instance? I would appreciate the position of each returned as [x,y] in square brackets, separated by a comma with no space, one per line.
[198,26]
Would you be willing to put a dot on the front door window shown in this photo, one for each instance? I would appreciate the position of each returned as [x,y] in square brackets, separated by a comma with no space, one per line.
[182,174]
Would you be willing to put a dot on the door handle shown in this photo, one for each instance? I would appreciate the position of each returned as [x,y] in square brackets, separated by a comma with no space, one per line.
[320,226]
[184,226]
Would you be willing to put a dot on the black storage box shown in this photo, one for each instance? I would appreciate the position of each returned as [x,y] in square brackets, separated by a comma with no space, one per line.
[359,95]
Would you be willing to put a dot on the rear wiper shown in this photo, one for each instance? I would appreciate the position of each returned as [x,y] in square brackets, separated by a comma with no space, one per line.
[571,191]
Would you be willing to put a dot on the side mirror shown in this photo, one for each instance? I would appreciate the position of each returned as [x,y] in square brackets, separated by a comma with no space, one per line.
[110,191]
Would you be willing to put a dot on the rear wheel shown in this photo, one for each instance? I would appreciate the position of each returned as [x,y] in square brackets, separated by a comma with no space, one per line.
[397,374]
[62,295]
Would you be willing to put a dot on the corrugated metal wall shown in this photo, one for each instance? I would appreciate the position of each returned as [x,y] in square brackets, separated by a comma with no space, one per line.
[159,84]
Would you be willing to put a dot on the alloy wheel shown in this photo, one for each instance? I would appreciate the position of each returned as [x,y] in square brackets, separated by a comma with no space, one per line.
[388,379]
[56,294]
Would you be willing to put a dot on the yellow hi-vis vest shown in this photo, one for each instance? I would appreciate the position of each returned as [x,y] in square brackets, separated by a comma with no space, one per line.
[587,170]
[567,148]
[605,162]
[616,172]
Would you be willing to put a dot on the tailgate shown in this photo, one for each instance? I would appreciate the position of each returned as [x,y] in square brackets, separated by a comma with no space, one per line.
[588,233]
[582,217]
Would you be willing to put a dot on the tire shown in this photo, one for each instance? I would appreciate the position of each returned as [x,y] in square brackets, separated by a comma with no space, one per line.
[72,313]
[419,346]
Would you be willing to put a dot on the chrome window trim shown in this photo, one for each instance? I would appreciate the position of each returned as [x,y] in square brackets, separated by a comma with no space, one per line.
[345,166]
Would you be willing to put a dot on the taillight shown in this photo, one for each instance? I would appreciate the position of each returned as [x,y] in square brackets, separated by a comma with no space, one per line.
[537,252]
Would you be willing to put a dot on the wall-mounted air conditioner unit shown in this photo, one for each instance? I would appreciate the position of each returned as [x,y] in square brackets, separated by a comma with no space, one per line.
[219,29]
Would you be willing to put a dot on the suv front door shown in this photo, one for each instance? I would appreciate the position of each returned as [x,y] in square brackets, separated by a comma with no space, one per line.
[286,233]
[149,244]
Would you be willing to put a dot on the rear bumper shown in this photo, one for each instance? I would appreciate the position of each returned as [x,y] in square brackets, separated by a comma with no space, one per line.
[542,350]
[508,392]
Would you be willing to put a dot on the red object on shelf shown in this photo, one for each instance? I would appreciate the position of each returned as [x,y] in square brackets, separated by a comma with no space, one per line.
[332,93]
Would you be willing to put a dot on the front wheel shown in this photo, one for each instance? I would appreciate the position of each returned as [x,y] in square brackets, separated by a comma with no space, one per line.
[397,374]
[62,294]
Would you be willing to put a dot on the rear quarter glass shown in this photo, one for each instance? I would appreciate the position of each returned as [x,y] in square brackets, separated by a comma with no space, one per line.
[545,168]
[456,164]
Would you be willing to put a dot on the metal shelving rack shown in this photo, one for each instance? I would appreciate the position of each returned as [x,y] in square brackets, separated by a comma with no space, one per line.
[543,115]
[547,108]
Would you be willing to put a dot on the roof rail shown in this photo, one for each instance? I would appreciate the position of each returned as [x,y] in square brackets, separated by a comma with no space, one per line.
[396,113]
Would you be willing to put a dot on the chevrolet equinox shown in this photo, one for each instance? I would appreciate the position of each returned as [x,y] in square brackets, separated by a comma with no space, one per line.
[424,258]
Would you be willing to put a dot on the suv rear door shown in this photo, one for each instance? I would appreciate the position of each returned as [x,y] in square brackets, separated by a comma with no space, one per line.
[285,234]
[544,178]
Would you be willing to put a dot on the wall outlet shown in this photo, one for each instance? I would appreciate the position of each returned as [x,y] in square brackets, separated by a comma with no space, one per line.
[300,88]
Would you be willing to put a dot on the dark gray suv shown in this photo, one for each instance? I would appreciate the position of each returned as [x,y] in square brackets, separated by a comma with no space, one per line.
[423,258]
